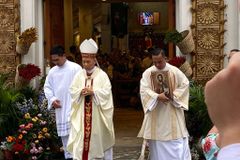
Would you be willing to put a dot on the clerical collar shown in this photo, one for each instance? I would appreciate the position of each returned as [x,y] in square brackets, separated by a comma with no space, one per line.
[89,72]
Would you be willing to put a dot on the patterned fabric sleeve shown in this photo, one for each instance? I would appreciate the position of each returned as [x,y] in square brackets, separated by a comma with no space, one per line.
[209,146]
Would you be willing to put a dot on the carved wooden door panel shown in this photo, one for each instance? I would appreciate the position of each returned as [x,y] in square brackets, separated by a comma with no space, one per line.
[208,31]
[9,26]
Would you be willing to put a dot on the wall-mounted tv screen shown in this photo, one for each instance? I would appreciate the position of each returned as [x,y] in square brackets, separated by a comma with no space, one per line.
[148,18]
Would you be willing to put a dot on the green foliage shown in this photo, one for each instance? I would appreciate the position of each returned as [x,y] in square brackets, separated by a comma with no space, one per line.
[8,112]
[29,93]
[42,81]
[198,121]
[173,36]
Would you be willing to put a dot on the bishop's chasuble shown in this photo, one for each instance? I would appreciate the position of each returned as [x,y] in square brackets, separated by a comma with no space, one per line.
[164,121]
[92,131]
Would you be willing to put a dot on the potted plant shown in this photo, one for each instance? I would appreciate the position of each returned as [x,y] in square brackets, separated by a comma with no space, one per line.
[25,40]
[173,37]
[25,73]
[181,63]
[183,40]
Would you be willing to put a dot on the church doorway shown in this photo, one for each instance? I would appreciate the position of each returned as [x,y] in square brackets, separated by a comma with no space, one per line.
[123,31]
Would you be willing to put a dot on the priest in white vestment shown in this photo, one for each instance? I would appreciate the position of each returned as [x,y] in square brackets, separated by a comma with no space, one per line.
[56,89]
[164,125]
[92,133]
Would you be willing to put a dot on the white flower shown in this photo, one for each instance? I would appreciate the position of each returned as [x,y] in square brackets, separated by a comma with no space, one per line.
[3,145]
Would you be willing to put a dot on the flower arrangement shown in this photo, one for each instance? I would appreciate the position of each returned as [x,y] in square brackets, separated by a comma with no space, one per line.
[28,36]
[32,139]
[182,64]
[28,71]
[177,61]
[25,73]
[36,136]
[25,40]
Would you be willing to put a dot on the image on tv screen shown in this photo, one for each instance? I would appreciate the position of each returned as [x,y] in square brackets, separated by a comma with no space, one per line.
[146,18]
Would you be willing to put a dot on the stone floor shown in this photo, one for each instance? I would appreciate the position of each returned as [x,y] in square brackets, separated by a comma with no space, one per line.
[126,153]
[127,124]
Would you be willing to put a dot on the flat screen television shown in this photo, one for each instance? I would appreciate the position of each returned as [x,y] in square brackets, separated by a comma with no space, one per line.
[148,18]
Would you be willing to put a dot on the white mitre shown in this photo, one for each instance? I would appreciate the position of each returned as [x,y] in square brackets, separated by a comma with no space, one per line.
[88,46]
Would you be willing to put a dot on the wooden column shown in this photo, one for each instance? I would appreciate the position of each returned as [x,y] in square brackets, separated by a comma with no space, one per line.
[171,25]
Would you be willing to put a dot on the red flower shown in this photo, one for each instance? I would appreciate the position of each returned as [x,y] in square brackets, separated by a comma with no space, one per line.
[18,147]
[207,146]
[26,151]
[177,61]
[29,71]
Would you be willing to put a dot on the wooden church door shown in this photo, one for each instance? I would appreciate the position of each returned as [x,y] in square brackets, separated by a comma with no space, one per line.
[53,25]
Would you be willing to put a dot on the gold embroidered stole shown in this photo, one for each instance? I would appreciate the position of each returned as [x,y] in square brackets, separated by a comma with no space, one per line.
[87,122]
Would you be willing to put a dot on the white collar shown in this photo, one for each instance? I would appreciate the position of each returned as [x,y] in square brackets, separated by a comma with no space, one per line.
[91,71]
